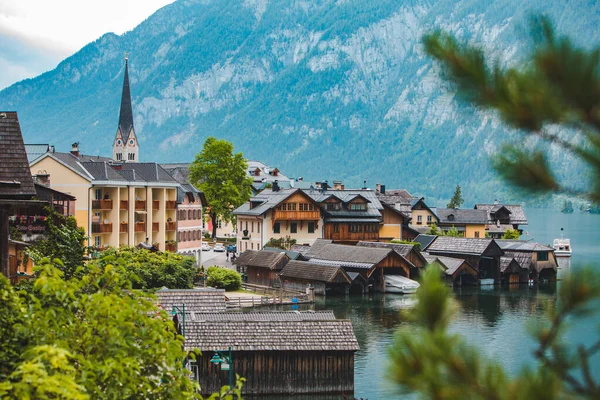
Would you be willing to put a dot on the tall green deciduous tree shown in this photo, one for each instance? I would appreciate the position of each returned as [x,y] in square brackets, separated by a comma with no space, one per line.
[559,84]
[457,200]
[511,234]
[223,178]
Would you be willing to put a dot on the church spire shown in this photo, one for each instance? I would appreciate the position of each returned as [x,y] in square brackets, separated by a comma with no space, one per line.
[126,114]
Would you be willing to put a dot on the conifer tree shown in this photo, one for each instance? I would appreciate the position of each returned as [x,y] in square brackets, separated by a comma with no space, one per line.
[457,200]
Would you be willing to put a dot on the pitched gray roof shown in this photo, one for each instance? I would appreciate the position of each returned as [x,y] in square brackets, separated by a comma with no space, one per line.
[292,255]
[450,264]
[309,315]
[425,240]
[302,249]
[505,262]
[347,255]
[468,246]
[195,300]
[521,245]
[312,271]
[461,216]
[524,259]
[400,248]
[517,215]
[15,174]
[274,335]
[262,259]
[36,150]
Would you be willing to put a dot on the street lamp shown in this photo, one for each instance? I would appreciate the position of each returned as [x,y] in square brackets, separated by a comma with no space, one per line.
[223,357]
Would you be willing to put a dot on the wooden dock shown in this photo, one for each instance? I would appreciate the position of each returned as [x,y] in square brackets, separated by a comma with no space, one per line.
[264,296]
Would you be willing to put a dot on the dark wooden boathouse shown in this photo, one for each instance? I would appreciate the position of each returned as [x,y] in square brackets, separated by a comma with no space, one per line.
[277,352]
[456,271]
[298,275]
[261,267]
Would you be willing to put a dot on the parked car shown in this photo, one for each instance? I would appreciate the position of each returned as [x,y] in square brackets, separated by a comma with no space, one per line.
[219,248]
[231,248]
[205,246]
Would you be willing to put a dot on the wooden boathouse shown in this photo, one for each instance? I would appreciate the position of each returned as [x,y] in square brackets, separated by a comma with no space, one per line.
[539,260]
[456,271]
[261,267]
[279,353]
[298,275]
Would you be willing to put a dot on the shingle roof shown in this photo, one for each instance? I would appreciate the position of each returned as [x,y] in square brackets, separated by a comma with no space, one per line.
[517,215]
[36,150]
[195,300]
[524,259]
[308,315]
[15,175]
[262,259]
[448,244]
[312,271]
[344,255]
[450,264]
[276,335]
[505,262]
[302,249]
[425,240]
[521,245]
[292,255]
[461,216]
[402,249]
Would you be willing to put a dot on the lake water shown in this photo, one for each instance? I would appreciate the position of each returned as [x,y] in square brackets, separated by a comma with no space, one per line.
[495,320]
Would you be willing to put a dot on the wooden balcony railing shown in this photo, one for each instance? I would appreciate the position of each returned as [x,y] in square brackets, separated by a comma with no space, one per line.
[155,227]
[155,204]
[123,227]
[102,204]
[170,226]
[101,228]
[171,204]
[297,215]
[140,204]
[140,227]
[124,205]
[172,247]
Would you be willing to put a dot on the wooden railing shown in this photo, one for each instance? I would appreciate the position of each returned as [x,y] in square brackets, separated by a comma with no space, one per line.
[102,204]
[140,227]
[101,228]
[155,204]
[155,227]
[297,215]
[170,226]
[123,227]
[171,204]
[124,205]
[140,204]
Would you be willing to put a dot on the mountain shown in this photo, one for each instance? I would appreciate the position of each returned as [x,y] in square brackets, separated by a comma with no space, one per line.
[322,89]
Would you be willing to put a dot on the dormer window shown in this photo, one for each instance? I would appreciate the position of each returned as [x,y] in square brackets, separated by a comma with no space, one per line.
[119,142]
[357,206]
[131,142]
[451,217]
[332,206]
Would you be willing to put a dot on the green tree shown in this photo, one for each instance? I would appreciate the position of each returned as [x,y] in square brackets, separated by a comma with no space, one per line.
[416,244]
[457,200]
[223,278]
[453,232]
[433,230]
[558,85]
[284,243]
[63,240]
[511,234]
[222,176]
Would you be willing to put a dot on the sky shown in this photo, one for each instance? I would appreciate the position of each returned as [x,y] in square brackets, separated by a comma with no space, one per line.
[35,35]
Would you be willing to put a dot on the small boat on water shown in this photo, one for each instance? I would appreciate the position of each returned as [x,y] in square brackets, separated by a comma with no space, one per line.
[562,247]
[400,284]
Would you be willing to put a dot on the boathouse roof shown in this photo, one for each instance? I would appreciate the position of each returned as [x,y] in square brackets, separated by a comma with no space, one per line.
[402,249]
[362,257]
[195,300]
[262,259]
[266,316]
[466,246]
[425,240]
[524,259]
[276,334]
[522,245]
[450,264]
[314,272]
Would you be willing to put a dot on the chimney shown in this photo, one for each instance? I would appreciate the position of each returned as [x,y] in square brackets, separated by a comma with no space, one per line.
[75,149]
[382,189]
[275,187]
[496,201]
[337,185]
[365,185]
[42,178]
[324,186]
[378,187]
[300,179]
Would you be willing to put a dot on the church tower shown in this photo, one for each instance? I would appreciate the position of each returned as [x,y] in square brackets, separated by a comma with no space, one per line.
[125,147]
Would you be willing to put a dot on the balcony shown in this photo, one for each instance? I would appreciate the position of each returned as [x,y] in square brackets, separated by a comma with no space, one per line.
[172,247]
[280,215]
[140,204]
[140,227]
[123,227]
[101,228]
[171,204]
[155,227]
[102,204]
[170,226]
[155,204]
[124,205]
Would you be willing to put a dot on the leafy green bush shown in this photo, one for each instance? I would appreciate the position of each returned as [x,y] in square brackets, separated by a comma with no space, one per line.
[416,244]
[148,270]
[224,278]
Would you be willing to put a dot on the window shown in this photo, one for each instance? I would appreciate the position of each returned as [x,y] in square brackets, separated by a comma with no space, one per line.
[119,156]
[358,206]
[311,227]
[98,194]
[419,219]
[246,225]
[219,222]
[189,214]
[283,207]
[429,218]
[97,241]
[355,228]
[332,206]
[476,234]
[336,228]
[131,142]
[252,246]
[203,227]
[258,227]
[119,142]
[294,227]
[252,228]
[131,156]
[305,207]
[291,206]
[277,227]
[194,235]
[542,256]
[193,214]
[311,207]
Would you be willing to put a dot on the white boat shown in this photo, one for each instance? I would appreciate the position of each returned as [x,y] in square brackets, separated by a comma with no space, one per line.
[400,284]
[562,247]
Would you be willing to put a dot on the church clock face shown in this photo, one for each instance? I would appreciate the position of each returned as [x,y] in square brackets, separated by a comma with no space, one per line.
[119,142]
[131,142]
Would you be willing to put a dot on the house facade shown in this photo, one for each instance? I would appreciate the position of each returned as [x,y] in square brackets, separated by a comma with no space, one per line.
[501,217]
[470,223]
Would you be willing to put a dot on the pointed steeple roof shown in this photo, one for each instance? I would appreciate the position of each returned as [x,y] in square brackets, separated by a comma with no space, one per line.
[126,114]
